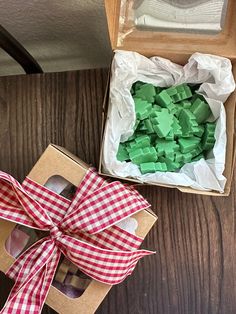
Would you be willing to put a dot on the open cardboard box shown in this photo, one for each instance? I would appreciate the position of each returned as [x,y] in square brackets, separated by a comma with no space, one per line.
[178,47]
[58,161]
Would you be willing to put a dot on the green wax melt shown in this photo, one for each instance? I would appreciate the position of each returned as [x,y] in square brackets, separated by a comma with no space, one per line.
[188,123]
[151,167]
[142,155]
[170,164]
[186,104]
[164,100]
[200,109]
[196,151]
[140,141]
[142,108]
[155,109]
[200,131]
[146,92]
[177,130]
[162,122]
[200,156]
[122,153]
[148,125]
[182,158]
[166,148]
[188,144]
[179,93]
[208,139]
[170,136]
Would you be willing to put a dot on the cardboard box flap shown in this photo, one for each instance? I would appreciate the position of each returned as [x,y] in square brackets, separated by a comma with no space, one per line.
[127,36]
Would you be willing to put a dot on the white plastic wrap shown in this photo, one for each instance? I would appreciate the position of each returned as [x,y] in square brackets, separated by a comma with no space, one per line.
[212,71]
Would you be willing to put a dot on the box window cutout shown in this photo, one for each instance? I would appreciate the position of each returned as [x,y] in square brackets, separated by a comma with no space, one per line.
[68,279]
[61,186]
[195,16]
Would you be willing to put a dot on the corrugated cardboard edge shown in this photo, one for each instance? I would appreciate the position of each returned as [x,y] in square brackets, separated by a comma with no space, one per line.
[96,291]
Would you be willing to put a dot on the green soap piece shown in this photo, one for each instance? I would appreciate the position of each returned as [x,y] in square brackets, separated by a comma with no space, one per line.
[142,108]
[208,138]
[188,123]
[200,131]
[176,98]
[135,134]
[163,99]
[182,158]
[140,141]
[177,110]
[179,93]
[187,157]
[171,91]
[147,167]
[200,109]
[160,166]
[166,148]
[154,111]
[187,91]
[186,104]
[178,157]
[162,122]
[188,144]
[170,136]
[148,125]
[137,85]
[170,164]
[177,131]
[156,107]
[142,155]
[196,151]
[200,156]
[122,153]
[146,92]
[151,167]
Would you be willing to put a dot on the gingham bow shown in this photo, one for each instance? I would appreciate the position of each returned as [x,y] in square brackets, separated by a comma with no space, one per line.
[83,230]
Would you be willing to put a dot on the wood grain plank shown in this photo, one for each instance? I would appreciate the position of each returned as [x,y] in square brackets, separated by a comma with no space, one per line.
[193,270]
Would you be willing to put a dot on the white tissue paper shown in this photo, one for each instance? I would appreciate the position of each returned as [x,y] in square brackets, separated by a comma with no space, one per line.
[215,74]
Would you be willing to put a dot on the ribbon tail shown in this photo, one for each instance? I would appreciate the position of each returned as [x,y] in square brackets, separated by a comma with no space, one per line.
[33,272]
[107,266]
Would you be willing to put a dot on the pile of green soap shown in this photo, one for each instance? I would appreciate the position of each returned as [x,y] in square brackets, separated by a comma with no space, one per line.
[170,128]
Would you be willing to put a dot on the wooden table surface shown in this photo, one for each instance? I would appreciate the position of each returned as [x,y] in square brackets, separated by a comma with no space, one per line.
[194,268]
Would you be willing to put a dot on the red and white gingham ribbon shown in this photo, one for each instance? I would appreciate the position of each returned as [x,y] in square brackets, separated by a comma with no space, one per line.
[82,229]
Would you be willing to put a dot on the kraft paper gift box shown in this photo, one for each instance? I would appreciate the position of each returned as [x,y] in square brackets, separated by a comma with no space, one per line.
[57,161]
[177,47]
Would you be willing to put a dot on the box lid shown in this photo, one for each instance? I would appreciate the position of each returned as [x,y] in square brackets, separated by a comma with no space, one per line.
[216,38]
